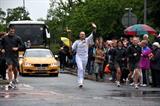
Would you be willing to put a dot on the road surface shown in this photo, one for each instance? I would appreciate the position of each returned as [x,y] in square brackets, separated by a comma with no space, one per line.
[64,91]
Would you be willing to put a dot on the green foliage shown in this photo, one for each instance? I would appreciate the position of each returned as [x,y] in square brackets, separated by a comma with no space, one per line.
[2,19]
[151,38]
[106,14]
[12,15]
[17,14]
[153,16]
[2,28]
[2,16]
[54,48]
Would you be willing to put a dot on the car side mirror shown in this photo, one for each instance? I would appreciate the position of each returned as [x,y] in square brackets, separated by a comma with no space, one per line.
[21,56]
[56,56]
[48,34]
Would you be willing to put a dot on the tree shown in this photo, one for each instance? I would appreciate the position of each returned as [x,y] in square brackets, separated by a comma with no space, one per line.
[153,16]
[2,19]
[17,14]
[40,19]
[2,15]
[58,15]
[107,14]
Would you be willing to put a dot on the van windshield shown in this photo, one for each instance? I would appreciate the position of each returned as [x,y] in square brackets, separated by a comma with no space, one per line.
[34,33]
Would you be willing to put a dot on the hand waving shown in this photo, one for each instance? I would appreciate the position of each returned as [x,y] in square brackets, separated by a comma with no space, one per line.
[94,26]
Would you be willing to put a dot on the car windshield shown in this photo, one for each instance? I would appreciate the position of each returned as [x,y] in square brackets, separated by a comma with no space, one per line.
[38,53]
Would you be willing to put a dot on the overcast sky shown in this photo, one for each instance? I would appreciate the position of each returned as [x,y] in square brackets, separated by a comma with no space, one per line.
[36,8]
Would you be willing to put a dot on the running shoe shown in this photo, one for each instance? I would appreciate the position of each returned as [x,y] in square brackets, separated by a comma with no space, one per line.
[11,85]
[143,85]
[136,86]
[81,85]
[15,81]
[118,84]
[127,81]
[131,84]
[110,78]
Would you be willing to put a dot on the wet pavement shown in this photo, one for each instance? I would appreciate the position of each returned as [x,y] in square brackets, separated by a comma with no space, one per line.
[64,91]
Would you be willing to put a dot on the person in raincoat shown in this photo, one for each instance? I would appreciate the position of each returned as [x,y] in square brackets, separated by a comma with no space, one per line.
[155,64]
[145,62]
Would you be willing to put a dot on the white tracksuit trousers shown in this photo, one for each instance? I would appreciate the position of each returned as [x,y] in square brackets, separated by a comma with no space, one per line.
[81,48]
[81,64]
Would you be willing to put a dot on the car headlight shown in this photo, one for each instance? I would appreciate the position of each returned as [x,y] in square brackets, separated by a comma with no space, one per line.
[27,64]
[54,64]
[20,62]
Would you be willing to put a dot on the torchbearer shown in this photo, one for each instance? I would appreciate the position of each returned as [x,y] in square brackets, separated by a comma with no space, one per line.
[81,48]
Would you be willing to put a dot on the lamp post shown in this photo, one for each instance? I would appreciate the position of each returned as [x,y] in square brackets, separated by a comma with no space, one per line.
[129,15]
[23,8]
[69,37]
[145,11]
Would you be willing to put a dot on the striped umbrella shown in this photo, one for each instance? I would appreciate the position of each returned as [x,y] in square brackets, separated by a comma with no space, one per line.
[139,29]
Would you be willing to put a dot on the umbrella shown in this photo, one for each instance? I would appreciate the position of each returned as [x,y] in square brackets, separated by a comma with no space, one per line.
[66,41]
[139,29]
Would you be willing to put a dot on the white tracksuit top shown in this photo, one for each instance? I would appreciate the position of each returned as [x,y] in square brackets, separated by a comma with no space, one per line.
[81,46]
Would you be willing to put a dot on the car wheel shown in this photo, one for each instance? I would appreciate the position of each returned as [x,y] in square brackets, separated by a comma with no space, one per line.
[20,73]
[55,74]
[24,74]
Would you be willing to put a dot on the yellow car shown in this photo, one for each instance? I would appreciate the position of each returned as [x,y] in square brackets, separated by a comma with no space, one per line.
[38,61]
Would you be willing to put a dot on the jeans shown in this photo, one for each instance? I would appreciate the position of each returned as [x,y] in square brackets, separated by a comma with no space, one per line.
[145,74]
[90,66]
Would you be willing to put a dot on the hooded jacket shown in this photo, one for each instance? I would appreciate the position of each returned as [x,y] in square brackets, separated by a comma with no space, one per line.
[155,60]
